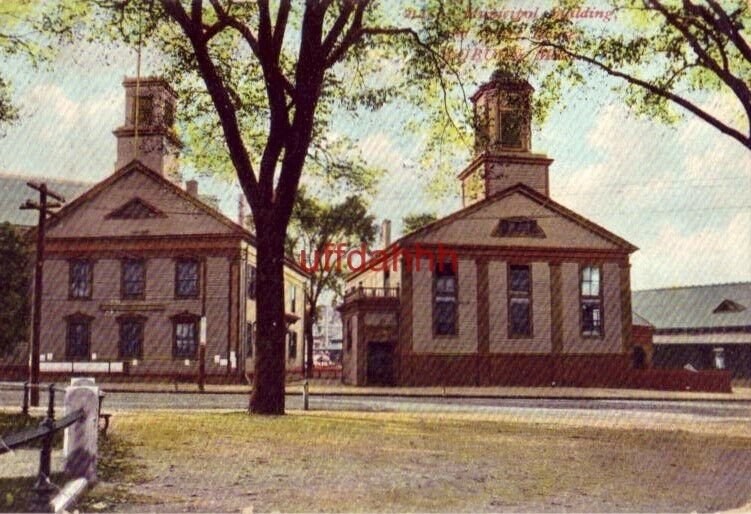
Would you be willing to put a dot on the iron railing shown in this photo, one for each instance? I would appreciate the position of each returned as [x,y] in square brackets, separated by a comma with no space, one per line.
[358,292]
[43,487]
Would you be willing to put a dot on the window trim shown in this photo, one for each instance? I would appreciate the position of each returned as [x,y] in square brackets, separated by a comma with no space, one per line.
[348,345]
[168,114]
[185,317]
[123,294]
[455,333]
[121,320]
[513,102]
[71,264]
[529,296]
[250,339]
[86,320]
[599,298]
[142,121]
[291,335]
[292,289]
[251,267]
[503,112]
[197,262]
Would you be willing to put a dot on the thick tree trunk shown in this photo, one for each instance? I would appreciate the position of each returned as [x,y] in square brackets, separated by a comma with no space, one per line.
[269,370]
[308,329]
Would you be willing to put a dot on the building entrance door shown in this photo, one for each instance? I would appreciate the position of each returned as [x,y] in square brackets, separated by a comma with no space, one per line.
[380,364]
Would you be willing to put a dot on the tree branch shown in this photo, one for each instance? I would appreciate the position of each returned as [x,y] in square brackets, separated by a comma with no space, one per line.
[280,27]
[338,27]
[219,96]
[737,85]
[726,26]
[744,139]
[437,58]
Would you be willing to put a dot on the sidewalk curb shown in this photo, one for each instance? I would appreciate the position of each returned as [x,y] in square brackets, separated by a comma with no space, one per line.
[452,396]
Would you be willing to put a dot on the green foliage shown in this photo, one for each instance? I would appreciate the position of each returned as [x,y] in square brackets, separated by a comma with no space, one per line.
[668,58]
[404,59]
[15,277]
[416,221]
[315,225]
[28,29]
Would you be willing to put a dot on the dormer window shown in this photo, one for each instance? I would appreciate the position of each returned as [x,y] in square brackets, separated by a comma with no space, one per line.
[518,227]
[729,306]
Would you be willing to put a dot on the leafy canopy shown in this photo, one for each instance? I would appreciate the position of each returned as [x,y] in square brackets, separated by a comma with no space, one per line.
[669,57]
[416,221]
[15,276]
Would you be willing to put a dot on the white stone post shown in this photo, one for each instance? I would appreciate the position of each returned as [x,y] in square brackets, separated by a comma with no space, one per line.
[80,440]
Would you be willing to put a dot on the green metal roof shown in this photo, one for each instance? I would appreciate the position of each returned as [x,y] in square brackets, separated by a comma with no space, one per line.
[14,192]
[693,307]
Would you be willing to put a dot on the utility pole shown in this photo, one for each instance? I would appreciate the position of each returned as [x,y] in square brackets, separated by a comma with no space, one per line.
[44,207]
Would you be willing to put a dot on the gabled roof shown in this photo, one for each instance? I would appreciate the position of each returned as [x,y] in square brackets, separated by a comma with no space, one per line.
[136,166]
[521,189]
[639,321]
[541,199]
[14,192]
[693,307]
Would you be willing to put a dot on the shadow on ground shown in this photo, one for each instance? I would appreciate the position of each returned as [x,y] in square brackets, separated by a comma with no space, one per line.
[118,470]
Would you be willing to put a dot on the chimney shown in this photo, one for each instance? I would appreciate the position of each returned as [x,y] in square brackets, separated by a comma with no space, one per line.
[386,233]
[191,186]
[147,135]
[241,210]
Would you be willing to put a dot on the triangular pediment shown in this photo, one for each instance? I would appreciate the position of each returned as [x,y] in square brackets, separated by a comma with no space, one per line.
[137,201]
[518,217]
[135,209]
[729,306]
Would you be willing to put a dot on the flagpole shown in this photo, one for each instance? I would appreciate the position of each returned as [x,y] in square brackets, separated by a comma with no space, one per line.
[138,87]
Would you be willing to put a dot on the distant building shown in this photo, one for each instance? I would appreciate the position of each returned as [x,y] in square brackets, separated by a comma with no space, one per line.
[14,192]
[327,337]
[703,327]
[140,273]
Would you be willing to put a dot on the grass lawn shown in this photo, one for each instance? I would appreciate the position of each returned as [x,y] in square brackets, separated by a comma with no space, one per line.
[326,461]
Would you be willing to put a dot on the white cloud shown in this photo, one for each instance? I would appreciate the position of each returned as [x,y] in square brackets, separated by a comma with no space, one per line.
[378,149]
[59,136]
[697,257]
[682,194]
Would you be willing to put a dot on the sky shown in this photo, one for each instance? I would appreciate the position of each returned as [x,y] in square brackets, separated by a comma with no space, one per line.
[681,193]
